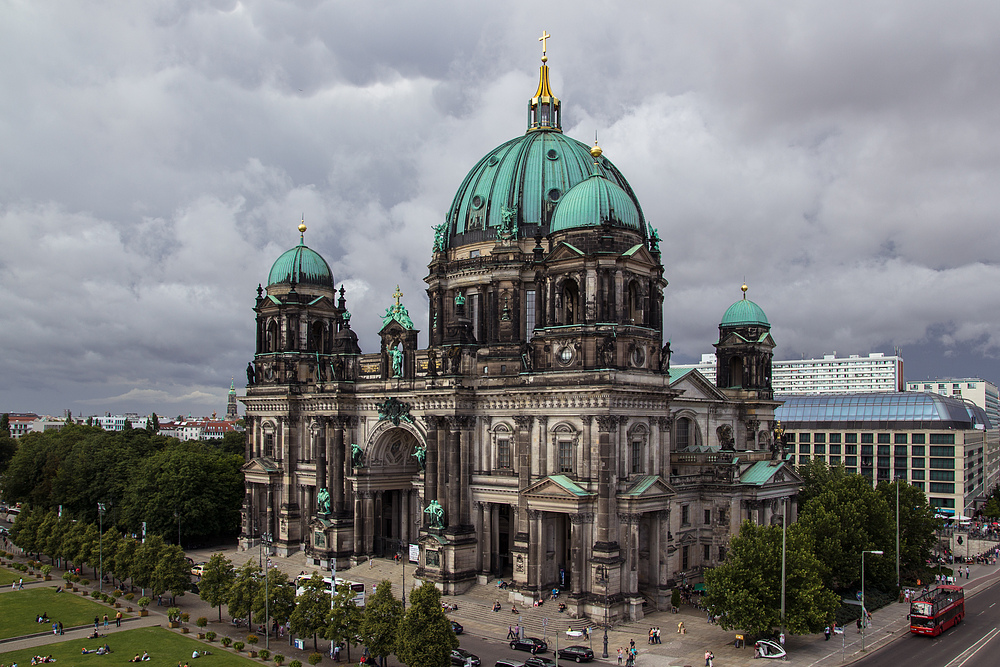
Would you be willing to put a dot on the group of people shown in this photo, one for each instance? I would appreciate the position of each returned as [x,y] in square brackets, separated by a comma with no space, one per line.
[654,636]
[626,656]
[39,659]
[143,658]
[101,650]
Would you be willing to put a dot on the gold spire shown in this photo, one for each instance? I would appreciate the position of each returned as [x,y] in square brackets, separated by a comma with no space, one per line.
[744,288]
[397,295]
[302,226]
[544,106]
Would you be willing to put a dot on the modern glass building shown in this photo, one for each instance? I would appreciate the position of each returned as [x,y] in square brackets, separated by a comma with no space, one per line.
[940,444]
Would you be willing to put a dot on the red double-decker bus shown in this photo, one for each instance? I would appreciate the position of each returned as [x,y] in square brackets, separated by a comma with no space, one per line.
[937,610]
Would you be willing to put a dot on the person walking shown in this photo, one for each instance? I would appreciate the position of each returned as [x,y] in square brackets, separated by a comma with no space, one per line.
[105,621]
[97,622]
[510,632]
[621,654]
[118,620]
[708,658]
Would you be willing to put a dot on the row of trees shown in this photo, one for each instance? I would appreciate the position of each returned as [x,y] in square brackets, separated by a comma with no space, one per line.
[151,565]
[421,635]
[840,515]
[138,475]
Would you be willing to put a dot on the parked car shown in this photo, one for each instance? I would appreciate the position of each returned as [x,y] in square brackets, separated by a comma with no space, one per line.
[457,627]
[578,653]
[532,644]
[460,657]
[540,661]
[508,663]
[198,570]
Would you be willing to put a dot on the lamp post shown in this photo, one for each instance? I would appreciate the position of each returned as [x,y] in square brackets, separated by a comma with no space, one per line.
[100,518]
[784,525]
[266,539]
[864,613]
[603,576]
[898,479]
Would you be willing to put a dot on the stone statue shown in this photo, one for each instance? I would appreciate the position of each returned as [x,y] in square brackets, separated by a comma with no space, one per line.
[323,501]
[357,456]
[421,455]
[665,358]
[654,239]
[250,373]
[440,236]
[437,514]
[396,354]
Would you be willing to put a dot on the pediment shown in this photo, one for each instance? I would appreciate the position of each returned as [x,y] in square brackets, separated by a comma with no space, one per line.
[639,253]
[647,487]
[565,251]
[261,465]
[557,487]
[773,473]
[688,538]
[696,386]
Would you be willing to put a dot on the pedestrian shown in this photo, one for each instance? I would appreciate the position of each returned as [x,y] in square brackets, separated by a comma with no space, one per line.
[118,620]
[621,654]
[97,622]
[510,632]
[680,628]
[336,652]
[20,583]
[966,571]
[781,639]
[859,625]
[711,659]
[826,633]
[105,621]
[61,631]
[708,658]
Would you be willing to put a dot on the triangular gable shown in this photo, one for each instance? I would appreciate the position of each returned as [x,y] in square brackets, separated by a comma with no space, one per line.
[557,486]
[648,486]
[639,253]
[694,385]
[274,299]
[261,465]
[769,473]
[688,538]
[565,251]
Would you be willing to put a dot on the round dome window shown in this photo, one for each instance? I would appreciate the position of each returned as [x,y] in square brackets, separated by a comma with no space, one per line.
[566,355]
[492,162]
[554,194]
[552,154]
[477,202]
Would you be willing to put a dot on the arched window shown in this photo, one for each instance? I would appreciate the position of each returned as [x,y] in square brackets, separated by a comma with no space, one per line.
[502,438]
[571,298]
[316,337]
[271,344]
[634,304]
[565,438]
[637,450]
[683,438]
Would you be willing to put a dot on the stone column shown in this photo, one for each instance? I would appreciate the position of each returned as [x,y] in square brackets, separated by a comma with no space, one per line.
[404,518]
[453,470]
[663,546]
[317,434]
[444,443]
[588,471]
[477,523]
[465,466]
[522,464]
[337,470]
[431,462]
[536,553]
[487,538]
[368,505]
[607,426]
[578,549]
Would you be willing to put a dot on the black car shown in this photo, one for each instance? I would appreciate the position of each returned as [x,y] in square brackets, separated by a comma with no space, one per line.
[578,653]
[457,627]
[532,644]
[460,657]
[539,661]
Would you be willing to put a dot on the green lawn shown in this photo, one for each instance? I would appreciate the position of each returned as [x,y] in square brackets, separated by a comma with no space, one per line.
[165,649]
[8,576]
[18,610]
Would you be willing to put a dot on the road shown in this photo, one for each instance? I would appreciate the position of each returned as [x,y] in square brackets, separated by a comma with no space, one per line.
[975,642]
[491,650]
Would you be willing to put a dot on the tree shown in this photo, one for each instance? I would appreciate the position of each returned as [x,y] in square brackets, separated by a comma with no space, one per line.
[425,637]
[344,619]
[280,597]
[172,572]
[745,591]
[234,442]
[992,508]
[216,581]
[153,423]
[380,622]
[69,417]
[24,532]
[5,423]
[917,526]
[243,590]
[124,550]
[127,426]
[8,447]
[312,609]
[147,555]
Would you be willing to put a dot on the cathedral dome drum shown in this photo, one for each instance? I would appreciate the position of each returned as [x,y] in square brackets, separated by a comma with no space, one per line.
[744,313]
[301,265]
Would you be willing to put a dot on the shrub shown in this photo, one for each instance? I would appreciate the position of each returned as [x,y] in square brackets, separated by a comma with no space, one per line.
[295,663]
[238,646]
[210,636]
[201,622]
[315,658]
[278,659]
[85,582]
[264,654]
[116,593]
[86,593]
[185,617]
[174,614]
[46,570]
[143,602]
[67,576]
[226,641]
[75,578]
[252,639]
[130,596]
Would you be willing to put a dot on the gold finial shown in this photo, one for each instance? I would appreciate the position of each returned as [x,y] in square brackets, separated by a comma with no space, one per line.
[595,150]
[744,288]
[542,39]
[302,225]
[397,295]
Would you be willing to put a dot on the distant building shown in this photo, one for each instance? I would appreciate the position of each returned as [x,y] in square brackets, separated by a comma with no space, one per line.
[232,408]
[203,429]
[110,422]
[981,392]
[829,375]
[20,423]
[938,444]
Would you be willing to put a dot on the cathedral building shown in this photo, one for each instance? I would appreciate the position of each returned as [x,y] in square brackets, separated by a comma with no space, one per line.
[540,435]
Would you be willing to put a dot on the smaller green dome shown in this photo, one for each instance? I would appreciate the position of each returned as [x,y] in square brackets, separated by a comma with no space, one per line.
[303,266]
[594,200]
[743,313]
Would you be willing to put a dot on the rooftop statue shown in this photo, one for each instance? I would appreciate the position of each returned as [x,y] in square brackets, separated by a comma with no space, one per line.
[437,514]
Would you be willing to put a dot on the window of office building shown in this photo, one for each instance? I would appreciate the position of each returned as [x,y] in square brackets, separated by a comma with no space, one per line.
[867,437]
[803,460]
[941,487]
[851,461]
[883,474]
[899,462]
[883,438]
[942,438]
[917,451]
[942,451]
[942,475]
[883,450]
[819,449]
[918,462]
[834,438]
[899,438]
[789,437]
[850,449]
[899,450]
[805,437]
[917,438]
[867,450]
[917,485]
[835,449]
[917,474]
[819,437]
[803,449]
[945,464]
[834,460]
[850,437]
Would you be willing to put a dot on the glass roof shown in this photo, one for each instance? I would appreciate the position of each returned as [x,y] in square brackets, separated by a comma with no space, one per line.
[901,408]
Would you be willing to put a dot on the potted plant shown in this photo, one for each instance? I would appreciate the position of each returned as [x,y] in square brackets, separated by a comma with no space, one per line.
[201,623]
[315,658]
[252,639]
[68,578]
[295,663]
[115,594]
[278,659]
[238,646]
[210,636]
[174,617]
[143,602]
[47,571]
[264,654]
[226,641]
[129,597]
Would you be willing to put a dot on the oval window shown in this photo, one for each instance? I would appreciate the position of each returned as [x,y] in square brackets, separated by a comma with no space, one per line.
[566,355]
[477,202]
[554,194]
[493,161]
[552,154]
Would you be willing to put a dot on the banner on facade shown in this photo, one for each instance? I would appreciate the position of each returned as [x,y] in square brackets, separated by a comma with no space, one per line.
[414,553]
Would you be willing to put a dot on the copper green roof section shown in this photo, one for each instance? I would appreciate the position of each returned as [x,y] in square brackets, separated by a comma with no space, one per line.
[301,265]
[594,202]
[641,485]
[744,312]
[760,473]
[568,484]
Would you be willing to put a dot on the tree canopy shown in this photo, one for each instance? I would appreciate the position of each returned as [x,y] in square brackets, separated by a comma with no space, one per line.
[425,637]
[380,623]
[216,581]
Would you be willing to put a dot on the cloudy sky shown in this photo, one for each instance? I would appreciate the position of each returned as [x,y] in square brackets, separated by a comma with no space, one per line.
[156,157]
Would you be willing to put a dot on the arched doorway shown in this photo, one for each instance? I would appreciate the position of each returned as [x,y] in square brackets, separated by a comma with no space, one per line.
[389,502]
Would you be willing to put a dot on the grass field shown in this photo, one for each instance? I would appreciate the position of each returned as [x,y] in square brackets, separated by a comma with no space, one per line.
[18,610]
[165,649]
[8,576]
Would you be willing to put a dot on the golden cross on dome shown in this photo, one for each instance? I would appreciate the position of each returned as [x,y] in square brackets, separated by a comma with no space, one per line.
[397,295]
[542,39]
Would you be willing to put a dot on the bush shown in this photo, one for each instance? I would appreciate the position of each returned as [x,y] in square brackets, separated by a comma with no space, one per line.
[295,663]
[85,582]
[75,578]
[185,617]
[86,593]
[174,614]
[67,576]
[46,570]
[278,659]
[210,636]
[263,654]
[143,602]
[201,622]
[238,646]
[116,593]
[226,641]
[130,596]
[315,658]
[252,639]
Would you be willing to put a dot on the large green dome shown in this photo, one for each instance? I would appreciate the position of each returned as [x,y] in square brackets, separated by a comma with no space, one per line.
[594,201]
[744,313]
[303,266]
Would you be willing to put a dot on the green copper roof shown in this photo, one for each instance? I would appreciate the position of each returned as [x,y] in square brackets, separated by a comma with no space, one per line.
[744,312]
[594,201]
[526,177]
[568,484]
[301,265]
[760,473]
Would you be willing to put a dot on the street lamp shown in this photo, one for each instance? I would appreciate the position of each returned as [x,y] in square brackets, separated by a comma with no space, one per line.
[784,525]
[100,518]
[897,532]
[603,576]
[266,539]
[864,613]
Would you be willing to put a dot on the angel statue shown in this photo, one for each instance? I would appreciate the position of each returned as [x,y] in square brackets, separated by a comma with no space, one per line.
[437,514]
[357,456]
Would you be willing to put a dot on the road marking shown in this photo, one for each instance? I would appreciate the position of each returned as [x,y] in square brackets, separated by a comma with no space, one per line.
[968,653]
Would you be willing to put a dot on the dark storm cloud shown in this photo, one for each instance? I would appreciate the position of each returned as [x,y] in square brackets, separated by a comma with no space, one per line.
[157,157]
